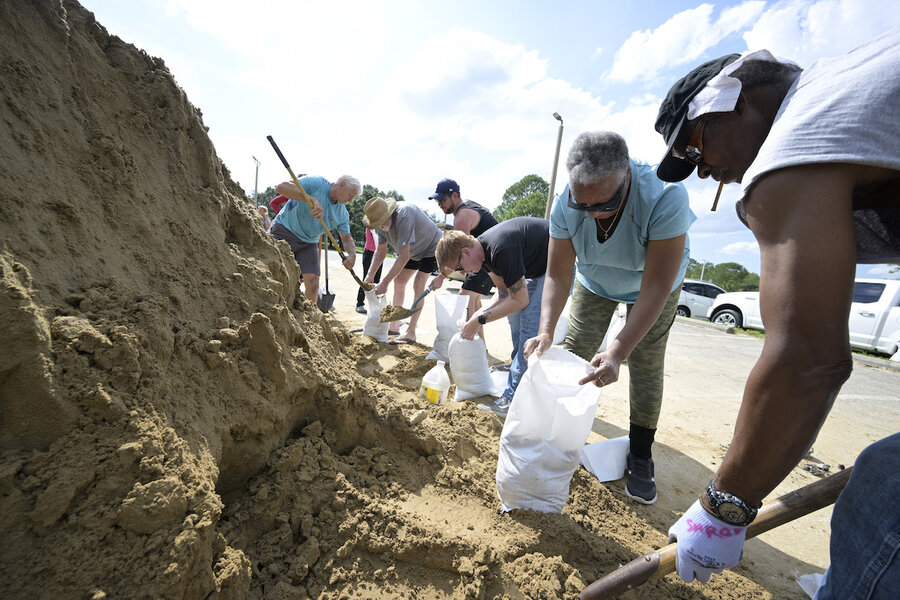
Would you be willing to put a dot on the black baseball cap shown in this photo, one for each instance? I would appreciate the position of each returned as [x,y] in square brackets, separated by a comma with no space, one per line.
[673,114]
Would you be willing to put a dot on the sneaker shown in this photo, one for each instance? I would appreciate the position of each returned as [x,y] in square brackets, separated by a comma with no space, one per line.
[639,483]
[361,310]
[502,367]
[499,407]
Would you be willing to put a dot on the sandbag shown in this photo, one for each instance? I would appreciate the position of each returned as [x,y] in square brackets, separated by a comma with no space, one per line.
[448,310]
[470,369]
[372,327]
[562,324]
[616,324]
[547,425]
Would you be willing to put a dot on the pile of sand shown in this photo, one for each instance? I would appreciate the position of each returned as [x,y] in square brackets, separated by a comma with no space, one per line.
[176,421]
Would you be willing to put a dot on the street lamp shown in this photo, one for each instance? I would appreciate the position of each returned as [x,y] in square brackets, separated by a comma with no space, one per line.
[555,164]
[255,181]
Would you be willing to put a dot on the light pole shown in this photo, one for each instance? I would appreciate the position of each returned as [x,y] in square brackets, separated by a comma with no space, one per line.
[555,164]
[255,181]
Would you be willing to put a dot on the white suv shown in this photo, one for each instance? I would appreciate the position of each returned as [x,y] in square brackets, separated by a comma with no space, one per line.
[696,298]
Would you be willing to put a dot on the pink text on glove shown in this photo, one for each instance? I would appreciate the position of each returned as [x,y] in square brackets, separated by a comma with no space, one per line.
[712,531]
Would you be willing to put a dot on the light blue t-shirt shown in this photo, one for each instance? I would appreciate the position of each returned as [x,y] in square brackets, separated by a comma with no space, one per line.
[296,216]
[655,211]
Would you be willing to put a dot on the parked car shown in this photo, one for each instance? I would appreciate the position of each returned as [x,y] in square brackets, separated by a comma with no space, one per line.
[874,322]
[696,297]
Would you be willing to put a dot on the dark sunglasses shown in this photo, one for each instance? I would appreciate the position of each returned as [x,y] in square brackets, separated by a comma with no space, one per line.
[693,152]
[611,204]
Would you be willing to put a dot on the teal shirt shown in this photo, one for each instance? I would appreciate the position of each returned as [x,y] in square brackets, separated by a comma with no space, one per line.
[296,216]
[655,210]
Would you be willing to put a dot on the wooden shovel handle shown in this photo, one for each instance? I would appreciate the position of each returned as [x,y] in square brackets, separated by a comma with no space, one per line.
[660,563]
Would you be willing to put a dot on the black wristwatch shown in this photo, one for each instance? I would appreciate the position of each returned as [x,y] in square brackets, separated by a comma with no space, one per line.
[729,507]
[482,319]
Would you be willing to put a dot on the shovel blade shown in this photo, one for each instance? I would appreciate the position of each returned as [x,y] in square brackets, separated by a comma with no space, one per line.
[397,314]
[325,302]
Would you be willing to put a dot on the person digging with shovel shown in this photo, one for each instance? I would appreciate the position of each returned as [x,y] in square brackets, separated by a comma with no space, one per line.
[298,224]
[817,157]
[414,236]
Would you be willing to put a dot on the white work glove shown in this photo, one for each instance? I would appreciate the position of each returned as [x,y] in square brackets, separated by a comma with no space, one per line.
[706,545]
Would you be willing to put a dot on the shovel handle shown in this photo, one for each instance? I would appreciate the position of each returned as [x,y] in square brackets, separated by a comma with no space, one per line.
[660,563]
[306,199]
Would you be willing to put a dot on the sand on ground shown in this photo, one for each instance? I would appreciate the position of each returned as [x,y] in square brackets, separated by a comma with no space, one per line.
[177,421]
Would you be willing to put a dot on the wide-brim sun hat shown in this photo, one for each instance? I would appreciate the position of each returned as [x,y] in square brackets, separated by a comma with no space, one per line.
[377,211]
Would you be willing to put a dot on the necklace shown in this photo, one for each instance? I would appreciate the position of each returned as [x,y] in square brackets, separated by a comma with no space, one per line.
[607,231]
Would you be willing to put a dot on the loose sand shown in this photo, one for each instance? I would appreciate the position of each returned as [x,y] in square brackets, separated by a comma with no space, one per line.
[179,422]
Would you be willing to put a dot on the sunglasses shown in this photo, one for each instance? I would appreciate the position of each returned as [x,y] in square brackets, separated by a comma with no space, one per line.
[441,200]
[611,204]
[693,152]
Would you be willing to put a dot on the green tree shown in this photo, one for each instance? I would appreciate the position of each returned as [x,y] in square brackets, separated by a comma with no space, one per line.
[525,198]
[731,277]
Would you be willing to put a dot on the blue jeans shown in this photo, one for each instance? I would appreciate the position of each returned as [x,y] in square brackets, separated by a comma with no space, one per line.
[865,529]
[522,326]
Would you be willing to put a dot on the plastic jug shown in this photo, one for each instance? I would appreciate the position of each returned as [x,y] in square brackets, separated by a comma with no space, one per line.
[435,384]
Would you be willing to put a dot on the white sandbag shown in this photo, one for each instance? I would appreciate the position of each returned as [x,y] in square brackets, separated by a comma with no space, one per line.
[606,460]
[448,309]
[470,369]
[372,327]
[811,583]
[545,430]
[616,324]
[562,324]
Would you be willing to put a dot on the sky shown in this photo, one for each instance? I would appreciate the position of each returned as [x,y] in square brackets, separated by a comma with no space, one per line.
[403,93]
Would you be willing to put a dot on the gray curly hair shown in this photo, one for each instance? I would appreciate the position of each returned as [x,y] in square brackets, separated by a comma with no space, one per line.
[595,155]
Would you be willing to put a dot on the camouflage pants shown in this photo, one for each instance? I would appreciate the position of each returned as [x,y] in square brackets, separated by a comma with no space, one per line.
[589,318]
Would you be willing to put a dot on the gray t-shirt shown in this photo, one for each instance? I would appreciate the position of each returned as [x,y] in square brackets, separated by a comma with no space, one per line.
[411,227]
[843,110]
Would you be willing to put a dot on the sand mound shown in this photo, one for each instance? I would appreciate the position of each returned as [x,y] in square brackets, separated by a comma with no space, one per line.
[177,422]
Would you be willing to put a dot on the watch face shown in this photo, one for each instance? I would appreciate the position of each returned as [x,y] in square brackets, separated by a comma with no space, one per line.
[732,513]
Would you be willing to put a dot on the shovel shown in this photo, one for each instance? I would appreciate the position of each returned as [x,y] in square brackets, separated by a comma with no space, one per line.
[326,300]
[397,313]
[660,563]
[363,285]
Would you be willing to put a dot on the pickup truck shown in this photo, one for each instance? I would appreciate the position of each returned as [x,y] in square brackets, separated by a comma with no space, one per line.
[874,314]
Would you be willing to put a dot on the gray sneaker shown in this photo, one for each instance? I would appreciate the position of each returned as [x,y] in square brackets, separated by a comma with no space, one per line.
[499,407]
[639,483]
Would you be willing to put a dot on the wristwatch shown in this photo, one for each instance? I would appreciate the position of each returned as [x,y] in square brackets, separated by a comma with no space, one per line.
[729,507]
[482,319]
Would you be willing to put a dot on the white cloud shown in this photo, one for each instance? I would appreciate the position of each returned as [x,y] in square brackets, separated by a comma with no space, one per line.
[684,38]
[804,31]
[741,248]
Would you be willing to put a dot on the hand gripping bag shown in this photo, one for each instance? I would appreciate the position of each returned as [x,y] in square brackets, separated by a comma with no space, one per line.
[470,369]
[448,310]
[372,327]
[546,427]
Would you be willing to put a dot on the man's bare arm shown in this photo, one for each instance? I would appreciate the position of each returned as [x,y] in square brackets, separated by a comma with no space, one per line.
[801,217]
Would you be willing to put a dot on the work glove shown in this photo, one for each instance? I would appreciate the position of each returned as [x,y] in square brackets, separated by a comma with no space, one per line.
[706,545]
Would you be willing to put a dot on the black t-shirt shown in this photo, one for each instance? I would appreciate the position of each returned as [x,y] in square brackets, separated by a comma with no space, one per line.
[516,248]
[486,220]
